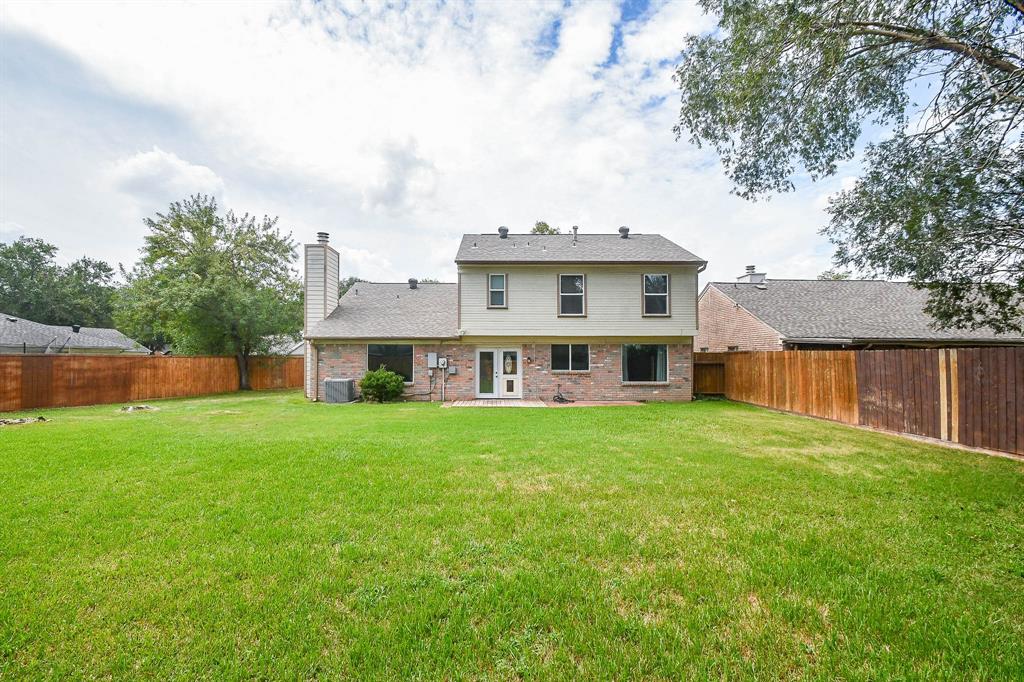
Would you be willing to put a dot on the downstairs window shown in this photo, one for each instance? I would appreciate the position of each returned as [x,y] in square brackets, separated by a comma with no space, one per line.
[397,358]
[573,357]
[644,363]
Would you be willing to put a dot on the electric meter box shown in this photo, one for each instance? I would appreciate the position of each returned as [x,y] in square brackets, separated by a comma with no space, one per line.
[442,362]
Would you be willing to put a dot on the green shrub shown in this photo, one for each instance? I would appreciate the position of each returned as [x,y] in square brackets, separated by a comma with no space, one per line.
[381,385]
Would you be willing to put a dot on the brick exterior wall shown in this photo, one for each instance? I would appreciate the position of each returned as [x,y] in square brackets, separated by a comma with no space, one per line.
[724,324]
[602,382]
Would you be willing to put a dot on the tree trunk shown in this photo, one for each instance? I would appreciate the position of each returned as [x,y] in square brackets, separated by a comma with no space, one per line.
[243,371]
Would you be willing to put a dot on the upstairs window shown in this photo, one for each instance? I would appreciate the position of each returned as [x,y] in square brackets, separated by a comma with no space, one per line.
[570,357]
[497,291]
[656,295]
[572,292]
[397,358]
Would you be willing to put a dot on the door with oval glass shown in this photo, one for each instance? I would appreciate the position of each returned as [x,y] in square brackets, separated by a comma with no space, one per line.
[499,373]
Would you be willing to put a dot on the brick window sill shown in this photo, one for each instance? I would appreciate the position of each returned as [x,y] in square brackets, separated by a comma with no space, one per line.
[570,371]
[646,383]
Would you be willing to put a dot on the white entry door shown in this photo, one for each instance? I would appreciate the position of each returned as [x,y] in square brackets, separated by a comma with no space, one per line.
[499,373]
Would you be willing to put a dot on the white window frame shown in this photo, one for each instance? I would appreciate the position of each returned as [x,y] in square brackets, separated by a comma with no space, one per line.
[582,294]
[503,290]
[667,294]
[570,369]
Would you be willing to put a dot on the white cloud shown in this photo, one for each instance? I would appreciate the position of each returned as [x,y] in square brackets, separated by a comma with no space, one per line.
[10,232]
[157,178]
[661,36]
[399,129]
[403,179]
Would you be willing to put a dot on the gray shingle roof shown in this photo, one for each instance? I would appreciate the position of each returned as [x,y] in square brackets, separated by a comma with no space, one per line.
[392,311]
[846,309]
[16,332]
[558,248]
[283,344]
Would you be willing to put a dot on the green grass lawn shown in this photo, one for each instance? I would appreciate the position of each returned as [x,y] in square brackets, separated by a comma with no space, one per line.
[264,536]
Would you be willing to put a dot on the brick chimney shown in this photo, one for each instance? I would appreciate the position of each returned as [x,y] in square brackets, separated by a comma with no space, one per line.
[320,280]
[751,276]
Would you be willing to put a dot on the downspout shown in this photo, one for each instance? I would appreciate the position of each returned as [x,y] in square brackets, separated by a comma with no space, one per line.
[316,371]
[696,312]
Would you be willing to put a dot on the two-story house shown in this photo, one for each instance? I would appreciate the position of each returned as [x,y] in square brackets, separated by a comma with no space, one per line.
[600,316]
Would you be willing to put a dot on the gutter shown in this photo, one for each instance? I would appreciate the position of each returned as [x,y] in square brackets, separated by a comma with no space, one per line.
[925,342]
[701,264]
[422,339]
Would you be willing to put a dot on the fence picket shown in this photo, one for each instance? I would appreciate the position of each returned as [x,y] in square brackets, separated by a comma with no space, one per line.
[35,381]
[974,396]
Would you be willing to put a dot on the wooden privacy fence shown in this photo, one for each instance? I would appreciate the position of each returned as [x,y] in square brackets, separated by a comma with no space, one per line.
[972,396]
[33,381]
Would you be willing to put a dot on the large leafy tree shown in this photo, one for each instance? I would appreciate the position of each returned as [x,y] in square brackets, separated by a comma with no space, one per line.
[786,88]
[346,283]
[216,284]
[35,287]
[541,227]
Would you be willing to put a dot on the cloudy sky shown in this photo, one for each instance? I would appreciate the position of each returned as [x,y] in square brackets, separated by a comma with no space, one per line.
[394,129]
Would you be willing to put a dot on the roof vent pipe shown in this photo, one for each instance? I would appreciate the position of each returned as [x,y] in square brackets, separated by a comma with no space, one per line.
[575,229]
[413,282]
[503,232]
[624,232]
[76,328]
[321,237]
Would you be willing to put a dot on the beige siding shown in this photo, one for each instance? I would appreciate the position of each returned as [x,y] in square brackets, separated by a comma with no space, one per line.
[314,284]
[321,282]
[331,282]
[613,302]
[321,273]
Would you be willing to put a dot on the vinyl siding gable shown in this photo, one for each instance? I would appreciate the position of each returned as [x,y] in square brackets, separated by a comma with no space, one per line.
[613,302]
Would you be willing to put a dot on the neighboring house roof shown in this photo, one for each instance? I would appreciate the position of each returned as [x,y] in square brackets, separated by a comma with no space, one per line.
[17,334]
[846,310]
[392,311]
[560,248]
[286,345]
[111,335]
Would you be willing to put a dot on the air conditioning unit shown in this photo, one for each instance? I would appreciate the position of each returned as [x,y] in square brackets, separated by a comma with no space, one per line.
[339,390]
